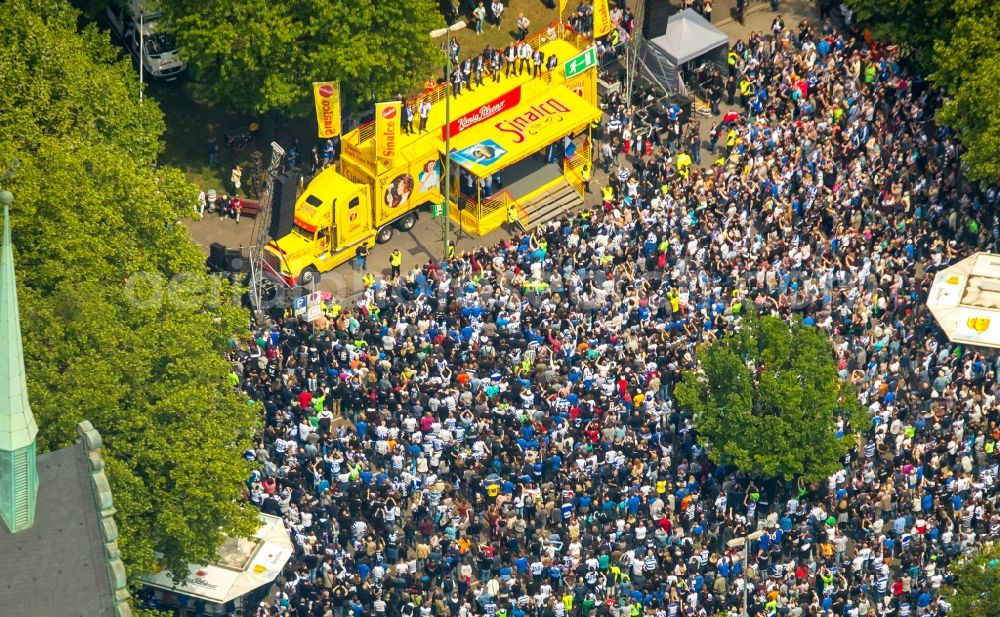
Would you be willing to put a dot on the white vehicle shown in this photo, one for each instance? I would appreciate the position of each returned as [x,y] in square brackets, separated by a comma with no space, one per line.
[156,51]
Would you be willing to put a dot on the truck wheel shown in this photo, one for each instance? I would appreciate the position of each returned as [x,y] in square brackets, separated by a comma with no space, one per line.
[384,234]
[309,277]
[407,222]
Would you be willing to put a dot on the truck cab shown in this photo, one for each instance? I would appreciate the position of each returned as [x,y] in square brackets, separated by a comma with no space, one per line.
[141,32]
[332,221]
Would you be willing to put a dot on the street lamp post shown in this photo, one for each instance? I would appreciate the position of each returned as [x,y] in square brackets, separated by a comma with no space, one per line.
[447,128]
[142,49]
[745,541]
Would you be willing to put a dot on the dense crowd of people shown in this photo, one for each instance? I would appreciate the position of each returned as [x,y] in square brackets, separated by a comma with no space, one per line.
[496,435]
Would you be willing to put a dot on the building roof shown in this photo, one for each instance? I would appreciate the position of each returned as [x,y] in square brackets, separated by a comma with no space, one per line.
[483,102]
[17,424]
[73,541]
[242,566]
[965,300]
[543,115]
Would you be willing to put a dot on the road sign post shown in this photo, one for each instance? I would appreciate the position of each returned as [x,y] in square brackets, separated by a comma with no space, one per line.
[437,210]
[580,63]
[311,306]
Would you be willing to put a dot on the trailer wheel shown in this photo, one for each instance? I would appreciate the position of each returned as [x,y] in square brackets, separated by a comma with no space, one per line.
[407,222]
[309,278]
[384,234]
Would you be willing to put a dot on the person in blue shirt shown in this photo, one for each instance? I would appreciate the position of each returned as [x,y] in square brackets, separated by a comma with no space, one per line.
[556,462]
[924,599]
[567,511]
[322,486]
[521,564]
[927,502]
[632,504]
[785,522]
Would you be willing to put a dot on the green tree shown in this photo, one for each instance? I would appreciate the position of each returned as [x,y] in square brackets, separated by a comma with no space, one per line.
[913,24]
[122,325]
[954,43]
[977,589]
[260,56]
[766,399]
[968,67]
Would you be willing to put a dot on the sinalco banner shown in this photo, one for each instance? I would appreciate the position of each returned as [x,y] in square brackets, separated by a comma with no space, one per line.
[602,19]
[387,117]
[327,96]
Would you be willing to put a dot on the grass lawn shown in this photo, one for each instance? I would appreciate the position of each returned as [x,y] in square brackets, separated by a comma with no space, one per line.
[471,44]
[190,124]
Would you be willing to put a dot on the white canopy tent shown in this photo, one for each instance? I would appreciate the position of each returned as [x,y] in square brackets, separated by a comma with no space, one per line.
[965,300]
[689,37]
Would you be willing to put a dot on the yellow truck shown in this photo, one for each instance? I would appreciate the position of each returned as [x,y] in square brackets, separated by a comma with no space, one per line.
[336,215]
[362,201]
[385,177]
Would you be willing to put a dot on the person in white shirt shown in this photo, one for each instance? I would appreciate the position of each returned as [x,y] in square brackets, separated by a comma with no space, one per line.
[522,26]
[497,8]
[524,53]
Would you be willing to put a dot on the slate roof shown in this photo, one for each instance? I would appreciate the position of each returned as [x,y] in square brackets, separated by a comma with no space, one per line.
[58,568]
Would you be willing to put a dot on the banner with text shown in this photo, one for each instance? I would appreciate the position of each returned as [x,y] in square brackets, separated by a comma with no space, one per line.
[523,130]
[507,100]
[327,97]
[387,117]
[602,19]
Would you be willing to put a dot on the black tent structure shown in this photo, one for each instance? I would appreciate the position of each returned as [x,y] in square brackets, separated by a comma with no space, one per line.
[689,39]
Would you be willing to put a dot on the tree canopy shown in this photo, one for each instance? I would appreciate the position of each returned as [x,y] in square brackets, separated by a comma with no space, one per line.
[121,323]
[914,24]
[968,67]
[260,56]
[767,399]
[977,588]
[954,43]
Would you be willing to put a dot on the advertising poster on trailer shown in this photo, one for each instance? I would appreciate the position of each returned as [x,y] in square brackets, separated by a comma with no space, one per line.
[387,118]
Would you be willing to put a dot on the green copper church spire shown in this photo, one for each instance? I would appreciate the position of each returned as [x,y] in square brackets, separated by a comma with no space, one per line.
[18,469]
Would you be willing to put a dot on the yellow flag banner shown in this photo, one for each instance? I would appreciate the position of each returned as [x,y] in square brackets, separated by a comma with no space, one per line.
[327,96]
[387,118]
[562,7]
[602,19]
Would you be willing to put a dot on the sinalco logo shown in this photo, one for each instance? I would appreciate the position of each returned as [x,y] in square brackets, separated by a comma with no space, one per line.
[326,90]
[387,131]
[541,124]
